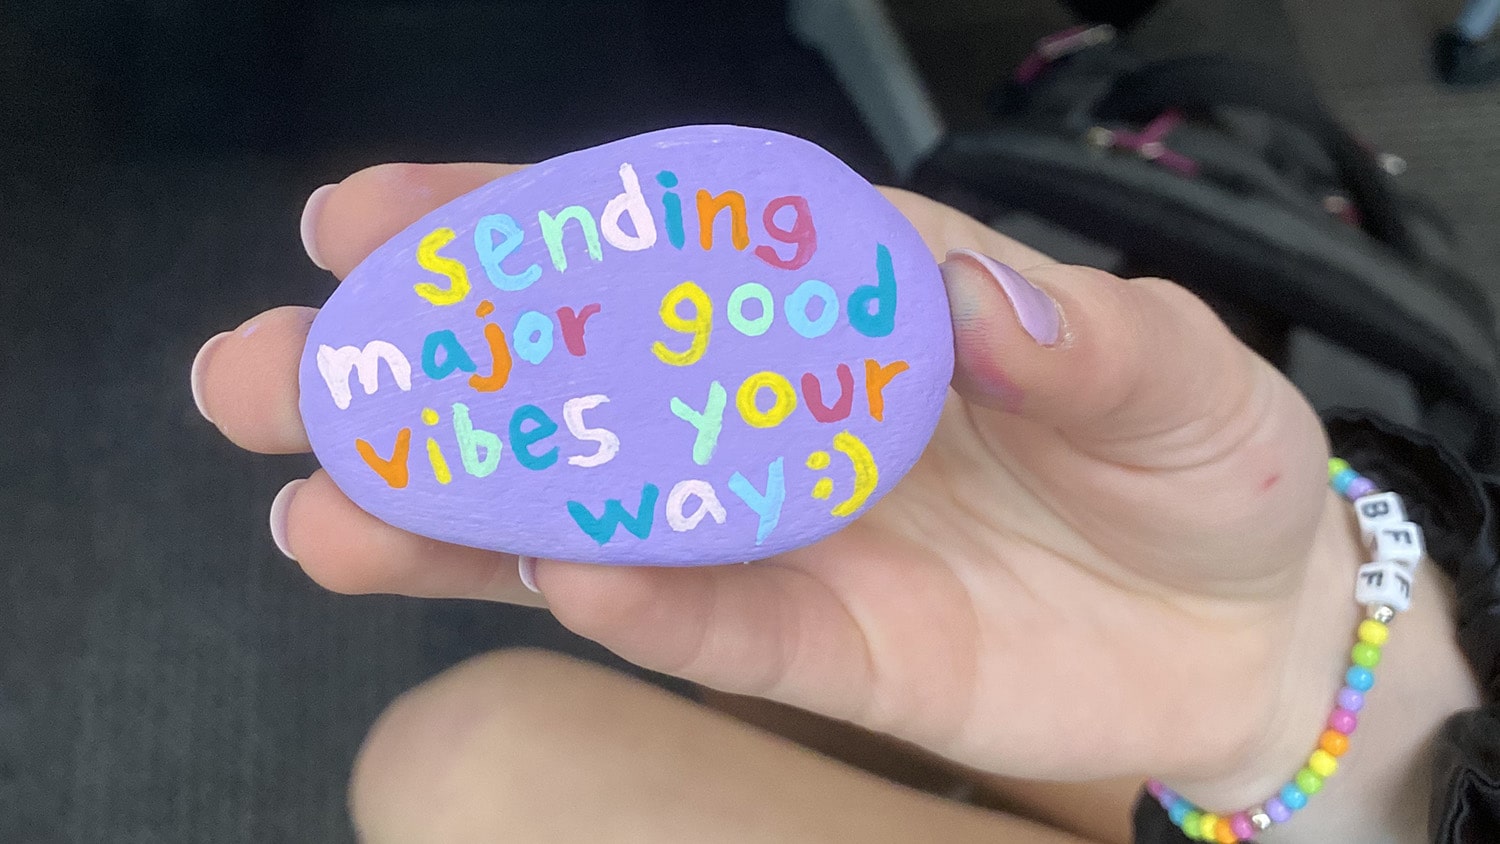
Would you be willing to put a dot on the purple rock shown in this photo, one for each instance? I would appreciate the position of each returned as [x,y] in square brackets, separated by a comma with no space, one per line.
[565,363]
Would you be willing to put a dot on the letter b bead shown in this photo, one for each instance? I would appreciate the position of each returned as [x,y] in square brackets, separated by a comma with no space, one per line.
[1400,542]
[1384,582]
[1377,511]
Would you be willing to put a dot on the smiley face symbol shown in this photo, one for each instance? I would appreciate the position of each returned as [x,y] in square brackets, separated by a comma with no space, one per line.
[866,473]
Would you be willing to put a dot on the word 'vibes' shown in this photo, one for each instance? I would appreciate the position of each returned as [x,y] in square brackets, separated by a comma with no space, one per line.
[701,345]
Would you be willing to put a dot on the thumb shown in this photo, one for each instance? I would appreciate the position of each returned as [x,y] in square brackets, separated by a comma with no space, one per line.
[1134,371]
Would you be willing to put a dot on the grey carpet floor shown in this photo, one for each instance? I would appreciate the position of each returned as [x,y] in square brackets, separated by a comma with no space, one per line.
[164,674]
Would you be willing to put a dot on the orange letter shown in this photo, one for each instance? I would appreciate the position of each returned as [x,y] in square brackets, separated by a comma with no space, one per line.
[708,211]
[500,357]
[876,377]
[393,470]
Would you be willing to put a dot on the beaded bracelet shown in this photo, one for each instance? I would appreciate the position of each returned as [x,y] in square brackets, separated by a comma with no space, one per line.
[1383,587]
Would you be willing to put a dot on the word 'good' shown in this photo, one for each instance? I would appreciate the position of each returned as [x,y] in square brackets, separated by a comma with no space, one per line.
[702,345]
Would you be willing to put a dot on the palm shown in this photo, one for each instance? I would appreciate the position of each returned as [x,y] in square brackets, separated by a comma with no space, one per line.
[1017,578]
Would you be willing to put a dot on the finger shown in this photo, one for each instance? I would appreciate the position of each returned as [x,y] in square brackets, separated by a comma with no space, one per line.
[370,207]
[245,381]
[347,550]
[1131,370]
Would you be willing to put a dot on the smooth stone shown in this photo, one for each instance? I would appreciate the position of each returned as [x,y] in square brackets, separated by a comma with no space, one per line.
[576,452]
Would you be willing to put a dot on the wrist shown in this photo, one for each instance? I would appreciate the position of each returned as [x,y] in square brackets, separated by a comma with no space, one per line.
[1380,789]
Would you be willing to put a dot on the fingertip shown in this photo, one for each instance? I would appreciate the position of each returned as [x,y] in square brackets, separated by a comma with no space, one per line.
[312,213]
[195,376]
[280,508]
[246,384]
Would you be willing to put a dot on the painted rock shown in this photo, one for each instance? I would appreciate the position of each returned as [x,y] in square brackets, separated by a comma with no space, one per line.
[706,344]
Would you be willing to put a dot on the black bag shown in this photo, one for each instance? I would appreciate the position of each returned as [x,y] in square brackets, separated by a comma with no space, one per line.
[1233,179]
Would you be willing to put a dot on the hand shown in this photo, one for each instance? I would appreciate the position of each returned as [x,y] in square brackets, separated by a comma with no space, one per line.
[1106,562]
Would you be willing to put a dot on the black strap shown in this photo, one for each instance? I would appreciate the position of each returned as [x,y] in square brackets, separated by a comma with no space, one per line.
[1202,83]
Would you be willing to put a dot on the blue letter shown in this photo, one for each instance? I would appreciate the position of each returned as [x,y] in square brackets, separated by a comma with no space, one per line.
[767,506]
[796,308]
[533,339]
[491,255]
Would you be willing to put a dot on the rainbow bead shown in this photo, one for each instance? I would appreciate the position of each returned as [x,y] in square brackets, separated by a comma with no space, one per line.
[1364,654]
[1179,811]
[1359,677]
[1361,487]
[1278,811]
[1308,782]
[1343,479]
[1372,632]
[1322,763]
[1333,742]
[1342,720]
[1223,833]
[1351,699]
[1240,825]
[1335,466]
[1294,797]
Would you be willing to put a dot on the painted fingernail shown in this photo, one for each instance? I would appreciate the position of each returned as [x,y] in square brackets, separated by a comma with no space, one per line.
[310,214]
[526,567]
[200,362]
[1036,311]
[280,505]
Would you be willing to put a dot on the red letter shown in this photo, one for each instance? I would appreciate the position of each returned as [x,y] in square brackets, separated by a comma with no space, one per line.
[801,233]
[393,470]
[812,394]
[572,327]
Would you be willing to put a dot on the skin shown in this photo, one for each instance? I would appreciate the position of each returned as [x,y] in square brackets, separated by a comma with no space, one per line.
[1118,557]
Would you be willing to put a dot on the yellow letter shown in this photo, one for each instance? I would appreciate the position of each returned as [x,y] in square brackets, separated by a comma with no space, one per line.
[429,259]
[698,325]
[786,399]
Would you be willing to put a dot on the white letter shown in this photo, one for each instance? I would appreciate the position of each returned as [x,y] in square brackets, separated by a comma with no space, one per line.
[609,444]
[708,504]
[633,203]
[335,364]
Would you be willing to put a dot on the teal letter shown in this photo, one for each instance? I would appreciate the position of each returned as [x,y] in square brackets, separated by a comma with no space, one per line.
[471,440]
[521,441]
[672,204]
[454,356]
[708,423]
[552,233]
[882,294]
[602,529]
[767,506]
[491,255]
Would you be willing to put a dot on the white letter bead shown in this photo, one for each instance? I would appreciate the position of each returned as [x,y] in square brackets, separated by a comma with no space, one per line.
[1375,511]
[1399,543]
[1384,582]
